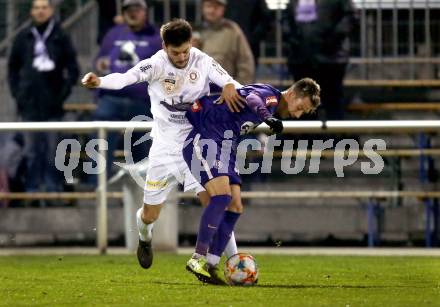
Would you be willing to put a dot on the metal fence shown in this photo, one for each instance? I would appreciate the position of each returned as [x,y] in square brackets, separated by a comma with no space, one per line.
[396,39]
[102,129]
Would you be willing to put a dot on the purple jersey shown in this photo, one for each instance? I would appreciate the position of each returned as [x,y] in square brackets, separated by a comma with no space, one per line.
[211,148]
[212,119]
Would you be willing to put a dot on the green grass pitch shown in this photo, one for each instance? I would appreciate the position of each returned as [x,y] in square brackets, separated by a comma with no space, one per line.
[284,281]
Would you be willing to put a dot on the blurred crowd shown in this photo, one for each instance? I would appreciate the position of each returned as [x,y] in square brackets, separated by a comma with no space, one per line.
[42,66]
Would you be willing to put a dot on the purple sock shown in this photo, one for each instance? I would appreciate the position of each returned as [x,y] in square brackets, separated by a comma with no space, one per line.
[210,221]
[223,234]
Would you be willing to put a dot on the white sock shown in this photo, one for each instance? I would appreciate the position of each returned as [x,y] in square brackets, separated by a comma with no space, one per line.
[212,259]
[231,247]
[196,256]
[145,230]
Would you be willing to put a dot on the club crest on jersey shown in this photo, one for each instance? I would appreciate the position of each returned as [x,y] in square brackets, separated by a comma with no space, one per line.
[193,76]
[271,101]
[169,85]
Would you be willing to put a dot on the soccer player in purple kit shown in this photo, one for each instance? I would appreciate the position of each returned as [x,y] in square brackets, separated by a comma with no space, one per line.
[214,167]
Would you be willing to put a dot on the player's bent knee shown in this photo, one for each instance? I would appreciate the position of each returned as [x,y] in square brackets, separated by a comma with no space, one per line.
[236,205]
[150,213]
[218,186]
[204,198]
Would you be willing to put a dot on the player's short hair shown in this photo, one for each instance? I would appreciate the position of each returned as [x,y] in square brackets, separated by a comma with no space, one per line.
[50,2]
[308,87]
[176,32]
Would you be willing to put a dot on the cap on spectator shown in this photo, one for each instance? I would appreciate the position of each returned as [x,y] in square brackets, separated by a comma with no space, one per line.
[224,2]
[128,3]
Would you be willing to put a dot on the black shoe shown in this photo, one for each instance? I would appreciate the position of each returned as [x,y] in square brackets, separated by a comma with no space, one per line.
[145,254]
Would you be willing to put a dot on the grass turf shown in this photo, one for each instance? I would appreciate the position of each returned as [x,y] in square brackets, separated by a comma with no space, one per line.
[284,281]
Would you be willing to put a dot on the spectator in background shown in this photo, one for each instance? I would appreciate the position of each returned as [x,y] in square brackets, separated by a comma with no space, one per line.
[42,69]
[253,18]
[223,40]
[122,48]
[109,16]
[317,34]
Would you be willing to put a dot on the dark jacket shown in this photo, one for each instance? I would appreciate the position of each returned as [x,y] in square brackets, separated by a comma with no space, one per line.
[324,40]
[253,18]
[40,95]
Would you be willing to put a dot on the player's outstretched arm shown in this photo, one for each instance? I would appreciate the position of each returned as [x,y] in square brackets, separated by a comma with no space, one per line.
[115,81]
[91,80]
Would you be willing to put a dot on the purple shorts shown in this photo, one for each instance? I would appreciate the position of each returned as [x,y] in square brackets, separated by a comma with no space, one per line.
[208,158]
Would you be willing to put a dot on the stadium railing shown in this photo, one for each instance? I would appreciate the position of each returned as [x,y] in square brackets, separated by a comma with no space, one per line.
[283,82]
[355,107]
[394,106]
[102,128]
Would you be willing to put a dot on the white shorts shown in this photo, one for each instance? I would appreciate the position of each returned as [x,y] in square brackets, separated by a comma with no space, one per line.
[165,170]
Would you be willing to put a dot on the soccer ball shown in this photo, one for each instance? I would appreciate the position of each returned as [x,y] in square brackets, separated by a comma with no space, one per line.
[241,270]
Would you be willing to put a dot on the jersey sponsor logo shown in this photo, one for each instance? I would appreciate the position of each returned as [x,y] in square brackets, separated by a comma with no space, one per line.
[176,105]
[271,101]
[193,76]
[217,164]
[218,68]
[179,119]
[196,106]
[145,68]
[153,185]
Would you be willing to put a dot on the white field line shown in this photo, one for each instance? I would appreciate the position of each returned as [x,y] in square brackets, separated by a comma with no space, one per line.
[310,251]
[331,251]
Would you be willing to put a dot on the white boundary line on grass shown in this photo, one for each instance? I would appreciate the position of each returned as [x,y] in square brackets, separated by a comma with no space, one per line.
[334,251]
[294,251]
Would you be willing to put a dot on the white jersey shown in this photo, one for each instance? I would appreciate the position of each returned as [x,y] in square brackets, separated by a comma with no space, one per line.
[172,91]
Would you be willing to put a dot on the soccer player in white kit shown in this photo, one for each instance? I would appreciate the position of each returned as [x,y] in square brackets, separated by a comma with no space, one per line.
[177,75]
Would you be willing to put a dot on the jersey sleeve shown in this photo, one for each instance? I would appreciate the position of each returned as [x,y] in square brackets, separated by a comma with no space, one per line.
[258,106]
[145,70]
[142,72]
[218,75]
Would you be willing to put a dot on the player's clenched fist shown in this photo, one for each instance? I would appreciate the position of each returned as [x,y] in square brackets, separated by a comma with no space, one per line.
[91,80]
[275,125]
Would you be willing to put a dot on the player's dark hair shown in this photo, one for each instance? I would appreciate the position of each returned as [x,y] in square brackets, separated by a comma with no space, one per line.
[308,87]
[176,32]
